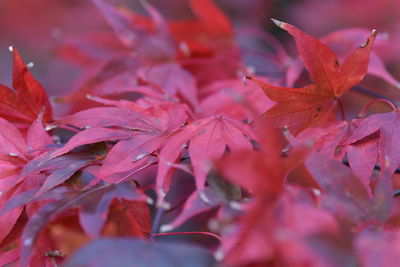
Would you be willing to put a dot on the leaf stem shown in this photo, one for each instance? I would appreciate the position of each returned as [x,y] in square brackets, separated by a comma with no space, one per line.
[369,93]
[189,233]
[364,109]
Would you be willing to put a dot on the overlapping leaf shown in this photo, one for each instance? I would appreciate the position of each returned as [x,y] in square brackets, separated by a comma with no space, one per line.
[207,140]
[94,204]
[15,152]
[387,124]
[139,135]
[346,196]
[144,254]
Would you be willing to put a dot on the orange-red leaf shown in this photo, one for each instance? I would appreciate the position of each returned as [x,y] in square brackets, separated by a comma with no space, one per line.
[28,100]
[302,107]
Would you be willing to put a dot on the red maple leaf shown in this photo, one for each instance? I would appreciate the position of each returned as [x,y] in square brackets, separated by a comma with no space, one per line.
[139,134]
[93,213]
[15,152]
[302,107]
[262,173]
[27,101]
[207,140]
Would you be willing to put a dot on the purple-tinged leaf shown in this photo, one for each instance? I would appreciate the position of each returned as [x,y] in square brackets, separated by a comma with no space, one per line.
[61,175]
[90,136]
[344,194]
[107,117]
[31,196]
[174,80]
[378,248]
[388,125]
[134,252]
[124,155]
[156,44]
[51,210]
[44,163]
[19,200]
[325,138]
[195,205]
[362,157]
[94,209]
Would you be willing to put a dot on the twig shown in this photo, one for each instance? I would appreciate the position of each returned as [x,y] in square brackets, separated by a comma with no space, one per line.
[189,233]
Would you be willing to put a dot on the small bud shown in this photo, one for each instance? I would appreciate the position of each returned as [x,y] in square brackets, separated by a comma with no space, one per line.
[11,48]
[204,198]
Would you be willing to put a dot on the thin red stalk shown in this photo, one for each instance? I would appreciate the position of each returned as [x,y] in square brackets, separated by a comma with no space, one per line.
[364,109]
[189,233]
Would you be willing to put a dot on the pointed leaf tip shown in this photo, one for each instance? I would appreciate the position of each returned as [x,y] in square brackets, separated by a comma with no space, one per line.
[244,80]
[374,33]
[277,22]
[247,77]
[166,228]
[89,96]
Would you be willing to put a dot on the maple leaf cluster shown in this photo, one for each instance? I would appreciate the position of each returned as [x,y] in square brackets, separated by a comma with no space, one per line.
[174,135]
